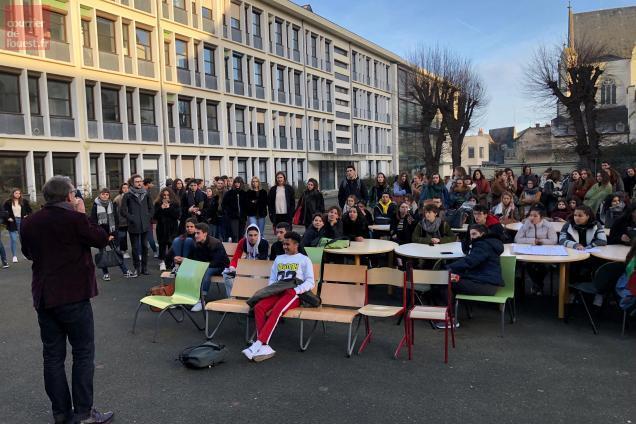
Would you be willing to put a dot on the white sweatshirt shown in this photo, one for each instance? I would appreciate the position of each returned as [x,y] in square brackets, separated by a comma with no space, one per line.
[293,266]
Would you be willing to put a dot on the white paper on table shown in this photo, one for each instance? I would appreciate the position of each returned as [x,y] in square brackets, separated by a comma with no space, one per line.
[592,250]
[527,249]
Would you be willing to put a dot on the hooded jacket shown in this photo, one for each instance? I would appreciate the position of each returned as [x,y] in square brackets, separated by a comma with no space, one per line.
[482,263]
[259,252]
[594,234]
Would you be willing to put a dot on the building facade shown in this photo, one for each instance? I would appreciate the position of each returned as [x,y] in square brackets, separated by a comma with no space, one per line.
[174,88]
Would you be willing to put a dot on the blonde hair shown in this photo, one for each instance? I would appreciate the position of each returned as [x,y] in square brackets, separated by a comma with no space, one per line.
[257,180]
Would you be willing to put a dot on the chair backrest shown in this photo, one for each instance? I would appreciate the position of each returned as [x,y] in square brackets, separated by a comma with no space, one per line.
[188,279]
[230,248]
[508,269]
[254,268]
[347,295]
[336,273]
[251,276]
[421,276]
[385,276]
[607,275]
[245,287]
[315,254]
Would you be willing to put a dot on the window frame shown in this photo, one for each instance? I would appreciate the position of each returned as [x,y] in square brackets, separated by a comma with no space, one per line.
[116,107]
[110,36]
[141,47]
[34,97]
[143,109]
[181,58]
[185,116]
[68,100]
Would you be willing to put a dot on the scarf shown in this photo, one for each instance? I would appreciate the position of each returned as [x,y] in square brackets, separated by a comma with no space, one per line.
[531,191]
[500,210]
[139,193]
[105,214]
[384,208]
[64,205]
[432,228]
[252,251]
[435,190]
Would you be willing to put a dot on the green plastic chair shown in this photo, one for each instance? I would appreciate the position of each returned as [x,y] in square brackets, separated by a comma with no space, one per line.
[315,256]
[187,293]
[504,295]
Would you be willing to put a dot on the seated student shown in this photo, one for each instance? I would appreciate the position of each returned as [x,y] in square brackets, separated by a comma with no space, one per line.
[483,217]
[562,212]
[537,231]
[364,212]
[355,225]
[181,246]
[402,227]
[333,226]
[211,250]
[623,230]
[350,203]
[611,209]
[252,246]
[315,231]
[506,210]
[267,312]
[582,231]
[384,212]
[432,229]
[277,247]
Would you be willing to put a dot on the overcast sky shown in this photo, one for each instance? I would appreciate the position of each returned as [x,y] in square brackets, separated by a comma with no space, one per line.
[498,35]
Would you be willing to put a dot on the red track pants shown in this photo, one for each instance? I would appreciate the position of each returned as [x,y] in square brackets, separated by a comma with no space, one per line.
[276,306]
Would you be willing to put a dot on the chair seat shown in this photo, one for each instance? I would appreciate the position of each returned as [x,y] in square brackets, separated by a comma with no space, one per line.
[326,313]
[380,311]
[237,306]
[585,287]
[499,297]
[429,312]
[163,302]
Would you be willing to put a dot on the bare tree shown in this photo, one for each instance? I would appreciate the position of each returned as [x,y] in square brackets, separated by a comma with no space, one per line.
[568,77]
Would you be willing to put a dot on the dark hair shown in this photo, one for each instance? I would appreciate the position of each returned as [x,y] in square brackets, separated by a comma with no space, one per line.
[132,178]
[57,188]
[276,177]
[480,208]
[173,197]
[313,180]
[586,210]
[121,187]
[284,225]
[605,177]
[292,235]
[350,166]
[377,175]
[337,209]
[239,180]
[104,190]
[321,215]
[192,221]
[538,208]
[555,175]
[481,174]
[202,226]
[431,208]
[174,183]
[478,227]
[147,181]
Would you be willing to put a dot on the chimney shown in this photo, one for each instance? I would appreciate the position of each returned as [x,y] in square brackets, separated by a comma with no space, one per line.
[307,7]
[481,131]
[537,125]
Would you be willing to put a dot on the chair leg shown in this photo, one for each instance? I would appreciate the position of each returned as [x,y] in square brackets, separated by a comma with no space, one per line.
[624,322]
[511,312]
[589,315]
[367,338]
[502,308]
[137,314]
[456,308]
[210,336]
[410,331]
[154,337]
[351,343]
[448,322]
[304,345]
[189,315]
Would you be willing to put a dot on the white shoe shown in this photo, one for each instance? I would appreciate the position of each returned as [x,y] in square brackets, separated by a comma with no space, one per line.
[155,255]
[106,277]
[442,325]
[264,353]
[162,266]
[15,259]
[198,307]
[126,255]
[248,353]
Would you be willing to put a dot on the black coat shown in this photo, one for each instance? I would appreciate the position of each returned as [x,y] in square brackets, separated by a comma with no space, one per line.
[312,236]
[312,202]
[256,203]
[188,201]
[137,212]
[167,222]
[289,198]
[233,204]
[335,231]
[482,263]
[349,187]
[622,226]
[401,230]
[210,211]
[26,210]
[357,228]
[211,251]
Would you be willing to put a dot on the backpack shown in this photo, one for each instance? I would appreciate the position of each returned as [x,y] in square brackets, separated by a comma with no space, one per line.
[205,355]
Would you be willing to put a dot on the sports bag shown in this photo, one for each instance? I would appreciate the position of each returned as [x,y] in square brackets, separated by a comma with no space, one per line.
[109,257]
[336,243]
[205,355]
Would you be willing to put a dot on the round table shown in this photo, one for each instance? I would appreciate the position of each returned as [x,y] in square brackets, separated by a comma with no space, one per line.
[426,251]
[516,226]
[380,227]
[366,247]
[612,252]
[563,261]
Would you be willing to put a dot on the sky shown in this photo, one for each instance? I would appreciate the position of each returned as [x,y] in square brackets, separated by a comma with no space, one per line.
[499,36]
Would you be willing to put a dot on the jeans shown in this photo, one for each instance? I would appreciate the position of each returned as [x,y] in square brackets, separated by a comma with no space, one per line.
[14,236]
[122,238]
[205,283]
[75,322]
[139,250]
[260,222]
[182,247]
[220,228]
[3,253]
[151,238]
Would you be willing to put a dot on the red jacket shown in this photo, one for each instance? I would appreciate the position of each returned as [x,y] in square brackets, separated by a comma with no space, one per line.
[59,242]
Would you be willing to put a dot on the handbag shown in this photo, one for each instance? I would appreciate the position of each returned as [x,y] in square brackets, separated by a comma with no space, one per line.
[298,214]
[108,258]
[161,290]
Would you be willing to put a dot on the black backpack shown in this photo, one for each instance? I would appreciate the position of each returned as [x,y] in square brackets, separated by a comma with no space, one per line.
[205,355]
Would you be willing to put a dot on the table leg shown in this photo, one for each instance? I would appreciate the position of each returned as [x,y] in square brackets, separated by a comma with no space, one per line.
[356,259]
[563,288]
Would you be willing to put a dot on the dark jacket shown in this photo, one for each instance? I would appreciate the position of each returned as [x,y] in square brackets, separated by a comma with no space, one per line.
[357,228]
[210,211]
[335,231]
[167,222]
[94,220]
[311,237]
[384,218]
[312,202]
[26,210]
[276,249]
[137,212]
[420,235]
[349,187]
[482,263]
[59,242]
[401,230]
[233,204]
[256,203]
[188,201]
[289,197]
[622,226]
[376,192]
[211,251]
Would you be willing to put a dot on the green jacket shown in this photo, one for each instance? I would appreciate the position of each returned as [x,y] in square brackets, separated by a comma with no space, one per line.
[445,234]
[596,195]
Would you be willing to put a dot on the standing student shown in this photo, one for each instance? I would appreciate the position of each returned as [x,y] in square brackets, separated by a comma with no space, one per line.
[292,266]
[256,204]
[191,203]
[234,208]
[122,222]
[401,187]
[210,210]
[58,240]
[17,208]
[178,188]
[376,192]
[166,213]
[312,202]
[435,188]
[137,208]
[148,185]
[280,200]
[351,184]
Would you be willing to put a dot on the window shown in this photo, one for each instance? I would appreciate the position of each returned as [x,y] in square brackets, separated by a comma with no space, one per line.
[57,26]
[144,50]
[166,53]
[206,13]
[295,43]
[199,115]
[262,169]
[185,113]
[256,24]
[297,89]
[106,35]
[90,101]
[94,167]
[240,120]
[314,46]
[110,105]
[280,79]
[179,4]
[260,123]
[342,102]
[196,57]
[300,169]
[39,171]
[471,153]
[235,20]
[129,107]
[64,165]
[342,90]
[278,33]
[182,54]
[258,74]
[34,96]
[213,123]
[125,35]
[315,88]
[170,115]
[59,98]
[12,172]
[208,61]
[342,128]
[328,52]
[86,34]
[481,152]
[147,108]
[340,64]
[340,51]
[237,67]
[608,92]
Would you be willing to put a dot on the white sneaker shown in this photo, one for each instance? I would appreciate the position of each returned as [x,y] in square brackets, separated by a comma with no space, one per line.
[15,259]
[162,266]
[248,353]
[126,255]
[442,325]
[155,255]
[264,353]
[198,307]
[106,277]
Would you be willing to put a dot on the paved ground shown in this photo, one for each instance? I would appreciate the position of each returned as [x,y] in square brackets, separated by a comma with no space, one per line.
[542,371]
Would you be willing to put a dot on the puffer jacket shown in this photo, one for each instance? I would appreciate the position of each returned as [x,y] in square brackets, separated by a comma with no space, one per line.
[481,264]
[594,234]
[543,231]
